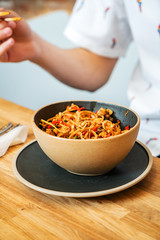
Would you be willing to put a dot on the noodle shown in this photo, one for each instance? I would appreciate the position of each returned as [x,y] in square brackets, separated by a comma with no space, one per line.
[78,123]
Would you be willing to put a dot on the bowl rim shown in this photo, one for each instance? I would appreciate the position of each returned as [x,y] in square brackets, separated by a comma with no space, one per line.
[86,140]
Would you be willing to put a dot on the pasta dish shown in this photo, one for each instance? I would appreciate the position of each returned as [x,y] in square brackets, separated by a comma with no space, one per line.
[78,123]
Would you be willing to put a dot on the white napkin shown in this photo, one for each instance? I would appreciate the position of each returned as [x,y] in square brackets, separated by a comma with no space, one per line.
[15,136]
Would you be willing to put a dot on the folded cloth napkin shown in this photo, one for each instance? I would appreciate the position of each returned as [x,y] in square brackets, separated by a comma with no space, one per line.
[15,136]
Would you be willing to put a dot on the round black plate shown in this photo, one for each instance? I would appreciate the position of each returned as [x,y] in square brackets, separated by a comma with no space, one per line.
[34,169]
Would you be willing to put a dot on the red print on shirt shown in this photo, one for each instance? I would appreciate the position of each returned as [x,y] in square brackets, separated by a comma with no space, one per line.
[159,29]
[140,5]
[106,11]
[151,139]
[114,41]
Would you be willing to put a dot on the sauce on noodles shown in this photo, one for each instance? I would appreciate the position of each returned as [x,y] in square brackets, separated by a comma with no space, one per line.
[78,123]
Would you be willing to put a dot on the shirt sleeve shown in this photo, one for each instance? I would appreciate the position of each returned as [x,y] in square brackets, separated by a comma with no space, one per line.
[100,26]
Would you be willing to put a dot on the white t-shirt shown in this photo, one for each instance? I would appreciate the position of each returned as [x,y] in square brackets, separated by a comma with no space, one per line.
[106,27]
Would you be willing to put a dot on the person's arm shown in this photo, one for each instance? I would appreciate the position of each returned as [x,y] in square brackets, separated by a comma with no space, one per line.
[76,67]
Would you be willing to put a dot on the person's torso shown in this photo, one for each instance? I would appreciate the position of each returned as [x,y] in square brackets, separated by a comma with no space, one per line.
[144,21]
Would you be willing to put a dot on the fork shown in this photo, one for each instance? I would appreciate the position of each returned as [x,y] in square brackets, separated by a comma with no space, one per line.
[6,128]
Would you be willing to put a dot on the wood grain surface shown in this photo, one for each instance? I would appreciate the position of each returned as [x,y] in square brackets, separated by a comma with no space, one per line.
[26,214]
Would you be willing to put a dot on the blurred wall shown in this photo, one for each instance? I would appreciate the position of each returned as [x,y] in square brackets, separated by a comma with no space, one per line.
[30,86]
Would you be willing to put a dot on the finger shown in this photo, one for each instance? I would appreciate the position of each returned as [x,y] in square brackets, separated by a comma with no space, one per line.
[4,13]
[3,25]
[12,25]
[7,14]
[5,46]
[11,14]
[5,33]
[12,19]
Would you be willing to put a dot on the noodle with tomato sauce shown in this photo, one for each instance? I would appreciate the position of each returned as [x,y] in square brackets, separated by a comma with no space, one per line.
[78,123]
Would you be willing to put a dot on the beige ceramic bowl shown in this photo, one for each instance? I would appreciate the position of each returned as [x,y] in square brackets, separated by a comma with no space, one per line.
[87,157]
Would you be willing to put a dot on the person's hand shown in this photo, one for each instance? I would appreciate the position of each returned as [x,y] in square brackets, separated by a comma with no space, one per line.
[17,41]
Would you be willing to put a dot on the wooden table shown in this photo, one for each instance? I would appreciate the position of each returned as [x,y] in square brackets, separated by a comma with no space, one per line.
[26,214]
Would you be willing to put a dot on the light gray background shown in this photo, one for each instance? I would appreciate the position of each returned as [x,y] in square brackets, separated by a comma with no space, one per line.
[30,86]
